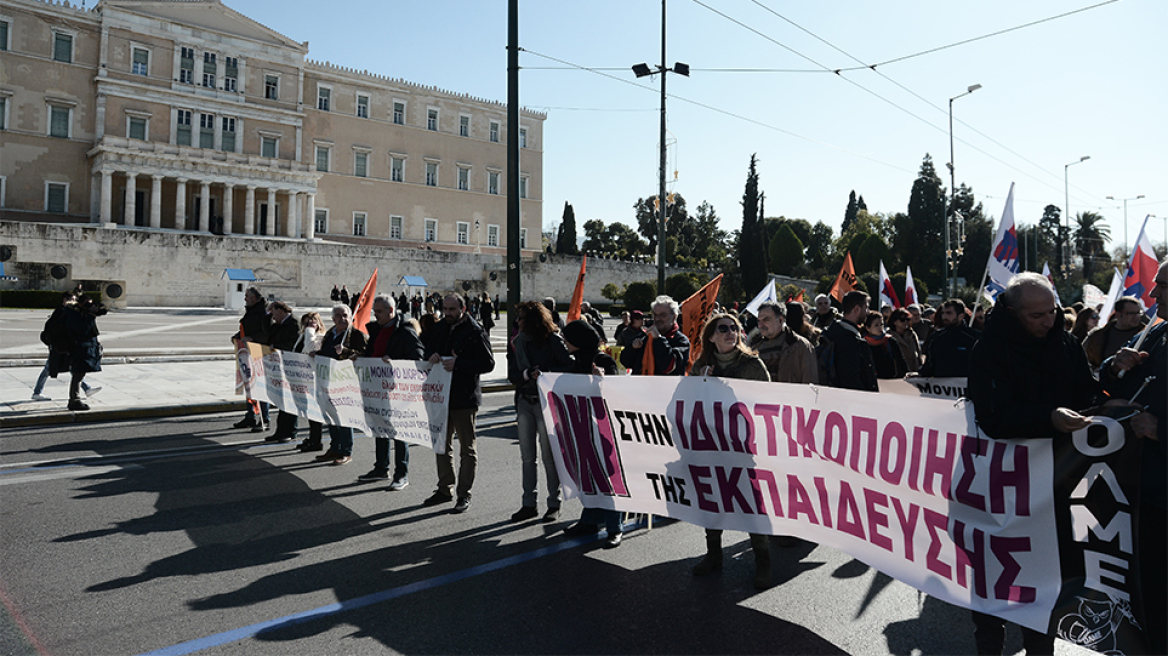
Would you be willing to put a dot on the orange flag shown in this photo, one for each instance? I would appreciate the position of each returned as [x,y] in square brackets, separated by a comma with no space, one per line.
[578,294]
[845,281]
[365,303]
[694,312]
[799,297]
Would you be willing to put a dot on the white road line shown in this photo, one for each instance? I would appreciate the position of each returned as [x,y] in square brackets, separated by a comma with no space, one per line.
[71,472]
[108,337]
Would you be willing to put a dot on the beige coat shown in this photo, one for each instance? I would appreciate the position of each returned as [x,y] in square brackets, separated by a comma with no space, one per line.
[789,358]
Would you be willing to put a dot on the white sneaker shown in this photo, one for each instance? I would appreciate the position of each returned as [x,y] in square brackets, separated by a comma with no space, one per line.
[40,397]
[92,391]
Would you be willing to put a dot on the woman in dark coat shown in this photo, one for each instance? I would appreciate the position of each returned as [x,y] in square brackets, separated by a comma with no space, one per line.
[486,314]
[886,355]
[85,355]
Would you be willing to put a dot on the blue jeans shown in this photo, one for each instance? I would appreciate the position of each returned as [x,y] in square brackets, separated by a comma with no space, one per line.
[531,428]
[610,518]
[264,411]
[341,440]
[401,460]
[44,377]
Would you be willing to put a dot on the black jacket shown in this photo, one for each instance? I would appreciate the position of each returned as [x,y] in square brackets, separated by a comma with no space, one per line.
[947,353]
[404,343]
[670,355]
[1016,380]
[854,368]
[523,353]
[283,335]
[470,343]
[352,342]
[85,352]
[255,323]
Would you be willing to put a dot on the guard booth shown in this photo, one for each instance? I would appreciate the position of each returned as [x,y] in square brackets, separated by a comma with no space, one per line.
[235,284]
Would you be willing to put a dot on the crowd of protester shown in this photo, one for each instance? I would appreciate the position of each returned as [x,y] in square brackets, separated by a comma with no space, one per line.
[1033,370]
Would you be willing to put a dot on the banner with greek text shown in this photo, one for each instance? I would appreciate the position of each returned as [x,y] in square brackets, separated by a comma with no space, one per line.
[401,399]
[905,484]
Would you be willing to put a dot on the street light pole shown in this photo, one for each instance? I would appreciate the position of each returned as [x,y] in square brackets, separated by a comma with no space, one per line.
[1067,218]
[641,70]
[951,251]
[1125,200]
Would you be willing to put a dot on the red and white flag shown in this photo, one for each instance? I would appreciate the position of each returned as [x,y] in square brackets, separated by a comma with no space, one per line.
[887,293]
[910,288]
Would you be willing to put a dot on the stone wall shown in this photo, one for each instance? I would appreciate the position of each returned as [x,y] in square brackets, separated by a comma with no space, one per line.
[170,268]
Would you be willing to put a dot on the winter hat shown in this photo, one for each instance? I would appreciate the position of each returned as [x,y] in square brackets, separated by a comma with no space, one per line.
[581,335]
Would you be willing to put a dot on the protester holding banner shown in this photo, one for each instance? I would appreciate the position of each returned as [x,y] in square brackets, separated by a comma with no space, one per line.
[886,355]
[947,350]
[664,349]
[311,336]
[536,349]
[846,360]
[726,355]
[1126,322]
[1146,384]
[788,357]
[902,334]
[342,342]
[1028,378]
[253,328]
[283,335]
[391,337]
[463,348]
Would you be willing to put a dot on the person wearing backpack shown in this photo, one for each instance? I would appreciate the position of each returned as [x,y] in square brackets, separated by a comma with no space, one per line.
[846,360]
[56,338]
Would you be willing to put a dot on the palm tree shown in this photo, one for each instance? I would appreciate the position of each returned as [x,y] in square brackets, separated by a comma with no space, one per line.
[1091,236]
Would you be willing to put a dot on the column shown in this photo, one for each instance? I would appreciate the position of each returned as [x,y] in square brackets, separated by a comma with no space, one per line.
[273,225]
[310,217]
[204,206]
[156,202]
[293,214]
[228,206]
[107,193]
[249,212]
[180,204]
[131,198]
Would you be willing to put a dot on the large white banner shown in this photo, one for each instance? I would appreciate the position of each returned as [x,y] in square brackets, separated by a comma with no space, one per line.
[401,399]
[902,483]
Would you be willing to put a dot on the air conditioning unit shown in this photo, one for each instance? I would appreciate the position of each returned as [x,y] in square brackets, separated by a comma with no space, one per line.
[113,293]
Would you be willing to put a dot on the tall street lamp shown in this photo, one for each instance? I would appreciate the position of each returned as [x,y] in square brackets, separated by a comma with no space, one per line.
[1067,218]
[642,70]
[1125,200]
[953,253]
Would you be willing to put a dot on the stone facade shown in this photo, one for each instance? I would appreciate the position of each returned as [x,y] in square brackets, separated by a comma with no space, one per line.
[184,116]
[177,269]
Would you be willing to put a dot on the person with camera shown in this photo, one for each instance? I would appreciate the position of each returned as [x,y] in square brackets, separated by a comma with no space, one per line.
[85,350]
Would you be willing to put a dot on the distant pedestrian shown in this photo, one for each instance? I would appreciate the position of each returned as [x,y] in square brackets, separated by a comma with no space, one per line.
[497,306]
[335,295]
[344,299]
[486,313]
[57,339]
[85,353]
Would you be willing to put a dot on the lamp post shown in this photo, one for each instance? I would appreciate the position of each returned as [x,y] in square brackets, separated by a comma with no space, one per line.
[642,70]
[951,251]
[1125,200]
[1067,218]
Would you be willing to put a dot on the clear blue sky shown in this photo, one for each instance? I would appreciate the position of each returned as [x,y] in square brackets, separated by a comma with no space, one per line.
[1094,83]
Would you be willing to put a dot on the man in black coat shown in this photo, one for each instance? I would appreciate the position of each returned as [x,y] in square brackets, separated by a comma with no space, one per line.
[282,335]
[947,350]
[851,357]
[253,327]
[670,346]
[462,347]
[1028,378]
[391,337]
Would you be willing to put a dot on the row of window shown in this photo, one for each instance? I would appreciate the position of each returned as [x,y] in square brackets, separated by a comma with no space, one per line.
[397,166]
[430,232]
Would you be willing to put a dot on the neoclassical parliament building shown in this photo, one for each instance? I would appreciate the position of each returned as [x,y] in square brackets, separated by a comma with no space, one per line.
[184,115]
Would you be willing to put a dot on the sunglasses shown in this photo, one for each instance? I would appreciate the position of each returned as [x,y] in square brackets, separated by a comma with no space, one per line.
[723,328]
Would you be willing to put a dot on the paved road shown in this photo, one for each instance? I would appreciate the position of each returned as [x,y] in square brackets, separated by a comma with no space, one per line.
[182,533]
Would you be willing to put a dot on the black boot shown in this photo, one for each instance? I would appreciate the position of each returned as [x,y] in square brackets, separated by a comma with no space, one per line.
[712,561]
[761,545]
[285,428]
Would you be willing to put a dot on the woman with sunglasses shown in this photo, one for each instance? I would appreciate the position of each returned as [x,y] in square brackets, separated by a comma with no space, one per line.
[725,354]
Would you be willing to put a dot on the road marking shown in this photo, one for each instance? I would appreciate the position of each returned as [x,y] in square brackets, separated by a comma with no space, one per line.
[71,472]
[108,337]
[252,630]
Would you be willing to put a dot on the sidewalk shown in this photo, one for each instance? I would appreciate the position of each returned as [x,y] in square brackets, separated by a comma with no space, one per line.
[138,390]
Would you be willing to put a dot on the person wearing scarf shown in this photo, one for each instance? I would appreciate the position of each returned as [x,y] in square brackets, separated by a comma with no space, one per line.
[725,354]
[886,355]
[663,350]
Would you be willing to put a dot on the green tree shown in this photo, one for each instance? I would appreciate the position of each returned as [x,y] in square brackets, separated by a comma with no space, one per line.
[638,295]
[868,257]
[677,223]
[850,212]
[923,245]
[751,254]
[681,286]
[566,239]
[596,238]
[819,245]
[709,245]
[786,251]
[1091,236]
[625,241]
[612,292]
[978,235]
[1052,234]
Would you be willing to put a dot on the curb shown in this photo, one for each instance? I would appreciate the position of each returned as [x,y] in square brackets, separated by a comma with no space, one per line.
[118,414]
